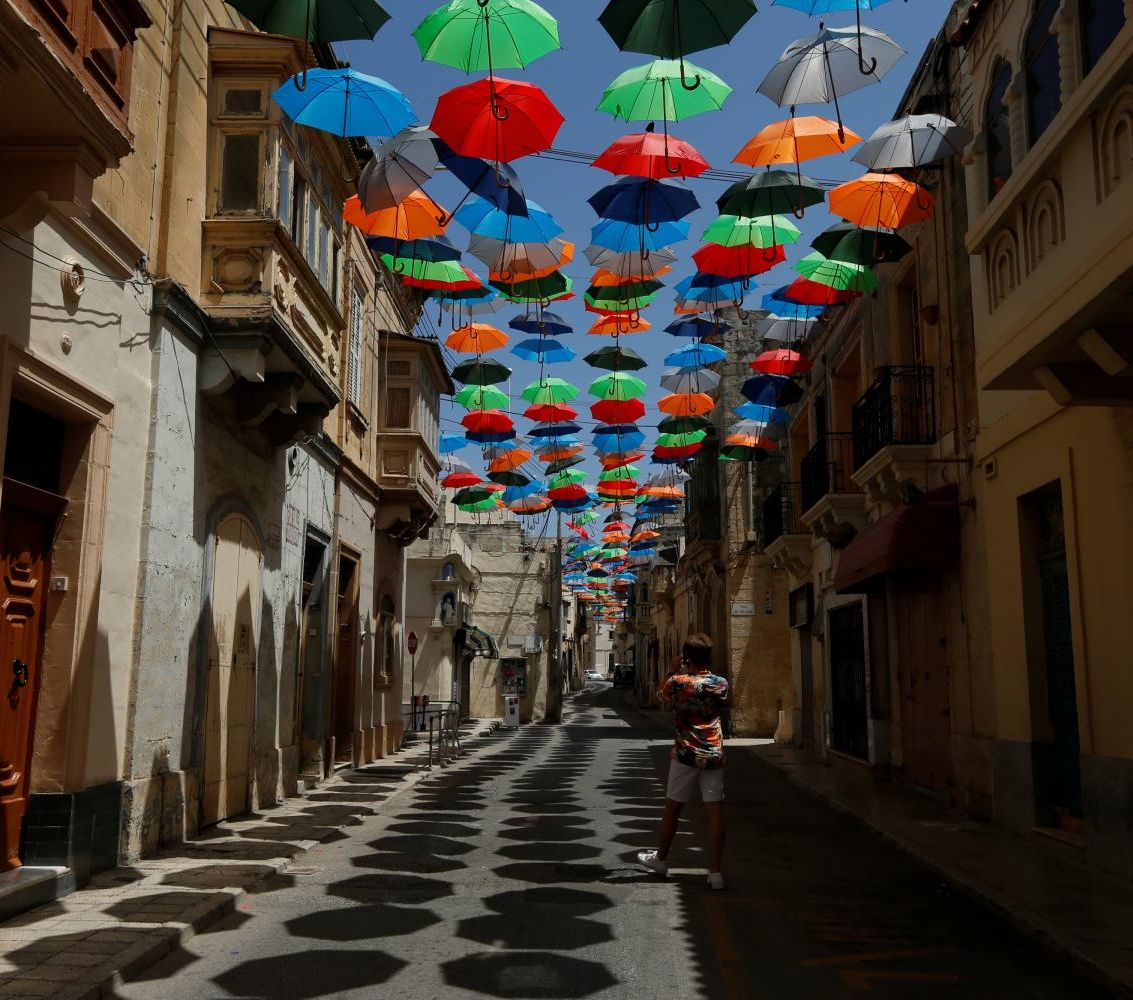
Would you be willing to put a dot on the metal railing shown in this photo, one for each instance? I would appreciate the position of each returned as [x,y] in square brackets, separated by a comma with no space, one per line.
[899,408]
[826,469]
[781,513]
[441,720]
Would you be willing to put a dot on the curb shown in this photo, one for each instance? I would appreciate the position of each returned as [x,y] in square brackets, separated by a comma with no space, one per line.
[971,888]
[161,941]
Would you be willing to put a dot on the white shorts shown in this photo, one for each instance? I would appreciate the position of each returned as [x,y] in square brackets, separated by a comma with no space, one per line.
[683,779]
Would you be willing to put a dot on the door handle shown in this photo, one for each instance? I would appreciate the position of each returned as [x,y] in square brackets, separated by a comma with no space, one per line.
[20,674]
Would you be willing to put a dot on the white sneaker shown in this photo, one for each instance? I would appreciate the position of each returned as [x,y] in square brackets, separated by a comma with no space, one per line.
[715,880]
[654,863]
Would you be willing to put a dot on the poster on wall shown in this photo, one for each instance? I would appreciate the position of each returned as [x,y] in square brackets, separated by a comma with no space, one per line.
[513,675]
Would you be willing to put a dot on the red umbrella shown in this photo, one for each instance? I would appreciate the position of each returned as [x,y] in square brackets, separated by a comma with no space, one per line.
[686,452]
[781,362]
[614,527]
[550,412]
[496,119]
[813,293]
[737,262]
[470,282]
[616,411]
[487,421]
[461,479]
[647,154]
[573,492]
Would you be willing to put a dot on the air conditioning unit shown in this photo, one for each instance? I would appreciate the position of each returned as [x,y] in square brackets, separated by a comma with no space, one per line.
[534,644]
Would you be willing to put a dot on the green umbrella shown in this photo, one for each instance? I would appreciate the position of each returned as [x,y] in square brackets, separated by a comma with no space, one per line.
[612,552]
[615,359]
[682,425]
[839,274]
[653,92]
[620,473]
[550,390]
[587,517]
[741,453]
[681,440]
[449,271]
[499,34]
[761,231]
[555,285]
[673,28]
[473,494]
[481,371]
[560,464]
[509,478]
[482,397]
[566,478]
[845,241]
[619,304]
[771,191]
[315,20]
[479,507]
[626,291]
[618,385]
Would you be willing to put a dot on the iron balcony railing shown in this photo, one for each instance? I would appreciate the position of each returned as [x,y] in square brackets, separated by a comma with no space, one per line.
[826,469]
[899,408]
[781,513]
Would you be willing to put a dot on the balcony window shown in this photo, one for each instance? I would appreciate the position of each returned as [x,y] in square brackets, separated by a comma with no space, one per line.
[998,130]
[240,173]
[354,356]
[1102,20]
[1044,88]
[899,408]
[242,101]
[399,408]
[284,204]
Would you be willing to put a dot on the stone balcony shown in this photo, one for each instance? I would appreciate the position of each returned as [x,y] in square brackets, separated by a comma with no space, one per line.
[833,505]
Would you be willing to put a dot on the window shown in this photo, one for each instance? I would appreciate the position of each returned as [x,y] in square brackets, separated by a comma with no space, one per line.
[386,651]
[354,357]
[283,198]
[1044,88]
[399,407]
[998,130]
[240,173]
[239,102]
[1101,22]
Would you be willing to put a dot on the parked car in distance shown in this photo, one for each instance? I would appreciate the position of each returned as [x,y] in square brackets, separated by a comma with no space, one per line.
[593,675]
[625,674]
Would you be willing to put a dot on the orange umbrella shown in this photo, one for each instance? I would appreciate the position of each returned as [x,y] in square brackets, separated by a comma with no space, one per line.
[611,279]
[686,404]
[645,536]
[620,324]
[615,536]
[795,140]
[559,454]
[617,461]
[509,460]
[881,200]
[476,337]
[752,441]
[675,492]
[416,218]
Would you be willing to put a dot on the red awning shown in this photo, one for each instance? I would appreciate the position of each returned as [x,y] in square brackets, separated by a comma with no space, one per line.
[916,537]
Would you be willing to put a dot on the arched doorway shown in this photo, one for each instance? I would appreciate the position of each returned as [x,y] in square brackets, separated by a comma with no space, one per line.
[233,642]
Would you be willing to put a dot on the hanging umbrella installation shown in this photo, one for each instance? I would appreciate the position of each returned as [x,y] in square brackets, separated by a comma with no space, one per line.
[476,36]
[344,102]
[498,120]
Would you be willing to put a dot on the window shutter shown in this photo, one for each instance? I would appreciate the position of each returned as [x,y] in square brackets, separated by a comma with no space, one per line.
[354,358]
[399,407]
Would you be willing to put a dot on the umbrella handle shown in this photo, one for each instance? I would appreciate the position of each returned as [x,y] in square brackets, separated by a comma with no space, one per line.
[501,180]
[652,227]
[301,79]
[866,69]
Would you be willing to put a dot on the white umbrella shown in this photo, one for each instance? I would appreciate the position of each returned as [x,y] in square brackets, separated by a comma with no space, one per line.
[399,167]
[836,61]
[913,141]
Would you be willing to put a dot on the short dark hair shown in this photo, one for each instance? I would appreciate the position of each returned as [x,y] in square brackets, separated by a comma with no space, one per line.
[697,650]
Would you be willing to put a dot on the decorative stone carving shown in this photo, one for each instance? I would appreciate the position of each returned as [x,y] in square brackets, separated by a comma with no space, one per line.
[1002,261]
[1114,152]
[1046,222]
[237,269]
[792,553]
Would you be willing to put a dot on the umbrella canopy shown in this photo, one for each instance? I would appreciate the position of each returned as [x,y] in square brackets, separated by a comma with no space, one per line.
[913,141]
[737,262]
[499,34]
[618,411]
[881,200]
[740,230]
[682,425]
[562,429]
[482,397]
[640,200]
[620,325]
[780,328]
[497,119]
[781,362]
[771,191]
[648,154]
[615,359]
[315,20]
[686,404]
[541,323]
[518,492]
[482,217]
[510,479]
[529,506]
[680,380]
[619,439]
[431,273]
[618,385]
[814,293]
[506,461]
[550,390]
[417,217]
[771,390]
[489,421]
[673,28]
[697,327]
[788,308]
[400,166]
[545,350]
[476,337]
[494,182]
[562,479]
[763,414]
[696,354]
[681,440]
[546,288]
[625,236]
[450,443]
[564,463]
[459,478]
[438,248]
[629,262]
[837,273]
[522,261]
[654,92]
[344,102]
[549,412]
[845,241]
[481,371]
[795,140]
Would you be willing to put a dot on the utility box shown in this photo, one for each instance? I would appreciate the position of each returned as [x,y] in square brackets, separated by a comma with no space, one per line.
[511,711]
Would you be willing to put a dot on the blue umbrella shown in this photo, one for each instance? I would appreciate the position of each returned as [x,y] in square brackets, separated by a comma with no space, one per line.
[709,286]
[763,413]
[696,327]
[819,8]
[550,324]
[545,350]
[490,437]
[513,493]
[642,201]
[452,442]
[772,390]
[778,303]
[617,439]
[558,431]
[345,102]
[479,176]
[624,236]
[484,219]
[437,248]
[696,356]
[588,501]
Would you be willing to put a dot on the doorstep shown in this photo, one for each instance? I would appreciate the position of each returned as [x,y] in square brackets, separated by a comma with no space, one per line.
[33,885]
[1039,887]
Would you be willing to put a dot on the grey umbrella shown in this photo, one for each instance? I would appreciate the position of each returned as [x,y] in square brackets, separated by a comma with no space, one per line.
[679,381]
[399,167]
[819,68]
[784,329]
[629,261]
[913,141]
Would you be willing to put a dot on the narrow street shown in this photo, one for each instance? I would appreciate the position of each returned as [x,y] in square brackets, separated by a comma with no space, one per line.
[513,876]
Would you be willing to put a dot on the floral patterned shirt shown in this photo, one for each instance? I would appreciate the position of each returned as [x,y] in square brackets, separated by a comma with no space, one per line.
[697,700]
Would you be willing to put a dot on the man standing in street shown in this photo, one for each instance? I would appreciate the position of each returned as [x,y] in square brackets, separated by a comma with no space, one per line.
[698,697]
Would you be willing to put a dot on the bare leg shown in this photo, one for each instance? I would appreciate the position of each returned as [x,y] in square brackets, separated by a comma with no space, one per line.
[715,812]
[668,827]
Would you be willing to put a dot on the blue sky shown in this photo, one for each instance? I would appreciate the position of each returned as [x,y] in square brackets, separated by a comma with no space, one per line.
[575,79]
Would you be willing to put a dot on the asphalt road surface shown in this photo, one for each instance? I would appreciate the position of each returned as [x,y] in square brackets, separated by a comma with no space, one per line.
[512,875]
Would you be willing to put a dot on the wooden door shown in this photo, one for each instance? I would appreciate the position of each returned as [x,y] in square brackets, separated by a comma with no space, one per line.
[25,536]
[849,715]
[346,660]
[231,669]
[923,672]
